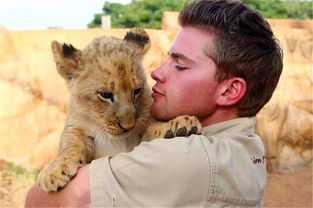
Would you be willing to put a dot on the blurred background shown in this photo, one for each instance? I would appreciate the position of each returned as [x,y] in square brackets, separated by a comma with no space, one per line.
[33,97]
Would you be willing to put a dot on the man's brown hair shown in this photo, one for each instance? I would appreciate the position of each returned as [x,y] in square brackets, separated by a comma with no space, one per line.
[244,47]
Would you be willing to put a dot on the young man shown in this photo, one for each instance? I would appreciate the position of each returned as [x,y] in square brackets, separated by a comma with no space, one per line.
[223,68]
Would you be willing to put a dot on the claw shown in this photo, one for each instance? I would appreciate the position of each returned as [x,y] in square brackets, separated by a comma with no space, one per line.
[193,130]
[169,134]
[59,188]
[181,131]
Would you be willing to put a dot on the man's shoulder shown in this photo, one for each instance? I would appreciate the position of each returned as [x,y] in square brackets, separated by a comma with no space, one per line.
[239,158]
[235,134]
[159,169]
[176,152]
[175,143]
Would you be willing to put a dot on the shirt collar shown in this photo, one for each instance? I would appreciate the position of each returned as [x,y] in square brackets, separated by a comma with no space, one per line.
[242,124]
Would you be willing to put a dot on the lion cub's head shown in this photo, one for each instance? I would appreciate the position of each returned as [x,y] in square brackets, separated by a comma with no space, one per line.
[106,79]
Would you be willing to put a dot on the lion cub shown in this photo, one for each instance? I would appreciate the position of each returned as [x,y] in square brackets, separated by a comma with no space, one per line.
[108,111]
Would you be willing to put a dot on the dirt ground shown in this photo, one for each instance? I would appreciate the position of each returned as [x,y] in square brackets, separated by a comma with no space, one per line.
[14,184]
[283,190]
[289,189]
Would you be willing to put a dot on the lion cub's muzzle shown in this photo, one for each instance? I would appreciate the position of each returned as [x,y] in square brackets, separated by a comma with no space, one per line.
[126,118]
[122,126]
[126,127]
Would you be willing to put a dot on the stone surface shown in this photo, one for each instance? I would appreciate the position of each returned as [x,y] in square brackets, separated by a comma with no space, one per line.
[285,123]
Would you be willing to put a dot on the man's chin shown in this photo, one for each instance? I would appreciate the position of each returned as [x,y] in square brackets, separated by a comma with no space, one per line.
[159,114]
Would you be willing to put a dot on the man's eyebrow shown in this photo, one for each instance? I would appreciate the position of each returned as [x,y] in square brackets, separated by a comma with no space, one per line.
[180,56]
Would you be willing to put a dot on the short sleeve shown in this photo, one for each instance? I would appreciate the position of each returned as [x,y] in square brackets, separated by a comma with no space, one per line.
[162,172]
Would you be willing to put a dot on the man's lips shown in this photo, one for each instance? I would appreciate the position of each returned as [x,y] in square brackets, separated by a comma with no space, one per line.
[156,93]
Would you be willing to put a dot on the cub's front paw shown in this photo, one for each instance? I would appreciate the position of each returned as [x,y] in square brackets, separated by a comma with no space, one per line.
[183,126]
[56,174]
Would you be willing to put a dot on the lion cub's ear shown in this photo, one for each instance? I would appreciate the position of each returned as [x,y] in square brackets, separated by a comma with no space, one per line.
[140,39]
[68,60]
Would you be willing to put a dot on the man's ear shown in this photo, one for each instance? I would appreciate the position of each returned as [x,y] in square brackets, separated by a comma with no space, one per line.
[68,60]
[231,91]
[140,39]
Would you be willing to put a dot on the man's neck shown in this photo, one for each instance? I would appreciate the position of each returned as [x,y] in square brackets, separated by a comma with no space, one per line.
[220,115]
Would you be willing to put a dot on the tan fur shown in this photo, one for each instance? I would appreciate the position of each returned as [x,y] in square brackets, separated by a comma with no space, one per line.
[98,124]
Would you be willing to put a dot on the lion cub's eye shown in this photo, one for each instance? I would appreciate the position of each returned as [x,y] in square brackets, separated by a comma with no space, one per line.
[106,95]
[137,91]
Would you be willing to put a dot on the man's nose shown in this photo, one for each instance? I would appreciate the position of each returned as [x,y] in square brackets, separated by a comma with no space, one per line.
[158,74]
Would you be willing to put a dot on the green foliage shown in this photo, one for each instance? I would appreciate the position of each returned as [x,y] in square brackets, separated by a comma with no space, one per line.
[139,13]
[15,169]
[96,22]
[148,13]
[279,9]
[299,9]
[18,170]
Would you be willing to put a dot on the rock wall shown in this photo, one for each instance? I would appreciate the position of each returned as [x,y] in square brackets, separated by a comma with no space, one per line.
[33,96]
[285,124]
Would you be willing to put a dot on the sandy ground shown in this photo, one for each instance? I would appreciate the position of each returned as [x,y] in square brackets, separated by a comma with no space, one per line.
[283,190]
[14,184]
[289,189]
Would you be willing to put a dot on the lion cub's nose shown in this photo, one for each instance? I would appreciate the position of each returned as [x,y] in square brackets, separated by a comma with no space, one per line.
[127,126]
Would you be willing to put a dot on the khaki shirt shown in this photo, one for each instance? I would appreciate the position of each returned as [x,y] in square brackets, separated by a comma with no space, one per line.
[223,167]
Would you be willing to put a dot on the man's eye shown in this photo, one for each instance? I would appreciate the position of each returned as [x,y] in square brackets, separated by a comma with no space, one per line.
[180,68]
[106,95]
[137,91]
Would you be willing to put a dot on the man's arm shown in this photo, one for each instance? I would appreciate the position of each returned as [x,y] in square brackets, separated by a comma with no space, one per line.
[160,173]
[76,193]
